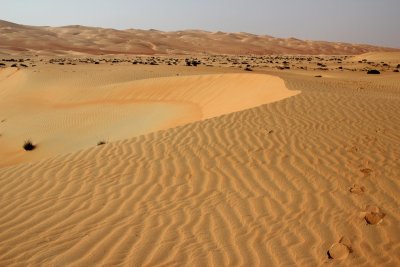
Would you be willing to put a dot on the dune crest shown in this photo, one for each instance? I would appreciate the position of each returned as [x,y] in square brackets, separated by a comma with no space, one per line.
[61,117]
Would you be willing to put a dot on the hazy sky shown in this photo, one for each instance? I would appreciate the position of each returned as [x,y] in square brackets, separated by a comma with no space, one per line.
[358,21]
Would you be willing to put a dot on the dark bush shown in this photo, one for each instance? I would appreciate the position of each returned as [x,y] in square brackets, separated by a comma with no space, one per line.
[28,145]
[373,72]
[102,142]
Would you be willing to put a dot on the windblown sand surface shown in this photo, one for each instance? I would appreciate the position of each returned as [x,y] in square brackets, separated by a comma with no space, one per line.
[310,180]
[64,109]
[76,39]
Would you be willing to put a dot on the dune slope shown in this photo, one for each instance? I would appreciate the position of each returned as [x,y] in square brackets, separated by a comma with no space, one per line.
[64,111]
[276,185]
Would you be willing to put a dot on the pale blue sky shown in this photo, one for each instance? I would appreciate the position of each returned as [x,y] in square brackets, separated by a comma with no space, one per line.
[358,21]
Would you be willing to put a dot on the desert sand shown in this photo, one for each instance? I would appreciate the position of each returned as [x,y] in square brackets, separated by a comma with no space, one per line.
[64,109]
[294,162]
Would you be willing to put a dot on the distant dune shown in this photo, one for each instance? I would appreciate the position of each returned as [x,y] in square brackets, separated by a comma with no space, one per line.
[75,39]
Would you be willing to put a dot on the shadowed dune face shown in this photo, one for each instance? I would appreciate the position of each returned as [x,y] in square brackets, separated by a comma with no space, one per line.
[66,111]
[17,39]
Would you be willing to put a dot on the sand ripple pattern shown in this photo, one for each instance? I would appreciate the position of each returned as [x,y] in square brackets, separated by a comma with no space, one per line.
[268,186]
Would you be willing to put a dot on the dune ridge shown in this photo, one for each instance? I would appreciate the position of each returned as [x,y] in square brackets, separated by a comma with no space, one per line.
[64,111]
[266,186]
[18,39]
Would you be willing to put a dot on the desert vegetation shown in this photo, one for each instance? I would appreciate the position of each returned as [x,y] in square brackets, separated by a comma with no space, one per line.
[28,145]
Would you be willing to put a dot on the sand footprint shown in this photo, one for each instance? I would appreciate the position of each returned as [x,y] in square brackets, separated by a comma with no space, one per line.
[340,250]
[366,171]
[373,215]
[357,189]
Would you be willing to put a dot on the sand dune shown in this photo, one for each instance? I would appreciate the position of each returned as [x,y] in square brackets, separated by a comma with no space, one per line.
[201,166]
[66,109]
[290,183]
[73,40]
